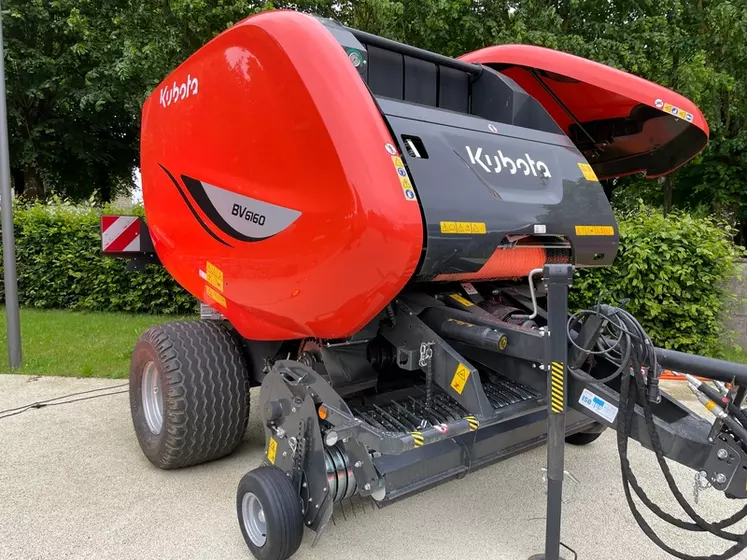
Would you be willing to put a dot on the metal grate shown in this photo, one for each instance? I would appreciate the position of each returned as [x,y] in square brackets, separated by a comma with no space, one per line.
[409,413]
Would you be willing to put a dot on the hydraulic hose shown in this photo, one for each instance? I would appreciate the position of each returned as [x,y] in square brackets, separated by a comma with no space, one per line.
[633,350]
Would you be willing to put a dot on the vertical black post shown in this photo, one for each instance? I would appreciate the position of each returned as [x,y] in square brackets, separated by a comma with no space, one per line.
[557,279]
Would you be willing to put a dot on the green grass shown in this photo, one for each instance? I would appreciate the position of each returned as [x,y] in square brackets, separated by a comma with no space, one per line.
[76,344]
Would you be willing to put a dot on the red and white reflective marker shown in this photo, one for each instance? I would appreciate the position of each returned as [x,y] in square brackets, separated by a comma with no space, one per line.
[120,234]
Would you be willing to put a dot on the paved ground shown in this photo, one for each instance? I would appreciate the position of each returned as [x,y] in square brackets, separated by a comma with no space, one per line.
[73,484]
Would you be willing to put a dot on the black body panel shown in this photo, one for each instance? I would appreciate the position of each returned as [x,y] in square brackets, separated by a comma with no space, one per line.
[482,154]
[467,178]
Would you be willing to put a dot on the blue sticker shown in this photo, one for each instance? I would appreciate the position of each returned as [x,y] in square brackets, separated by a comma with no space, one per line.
[410,194]
[598,405]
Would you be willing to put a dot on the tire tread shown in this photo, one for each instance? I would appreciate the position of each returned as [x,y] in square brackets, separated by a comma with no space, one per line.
[206,391]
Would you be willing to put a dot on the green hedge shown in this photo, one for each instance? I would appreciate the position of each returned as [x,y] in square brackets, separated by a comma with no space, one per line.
[675,272]
[60,266]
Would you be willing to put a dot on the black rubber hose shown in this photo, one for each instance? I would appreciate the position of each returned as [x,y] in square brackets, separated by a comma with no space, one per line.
[637,350]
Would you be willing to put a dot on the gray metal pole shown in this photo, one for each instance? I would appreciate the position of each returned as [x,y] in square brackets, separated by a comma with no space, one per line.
[12,317]
[557,278]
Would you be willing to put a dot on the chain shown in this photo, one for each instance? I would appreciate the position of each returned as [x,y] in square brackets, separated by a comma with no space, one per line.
[426,353]
[426,363]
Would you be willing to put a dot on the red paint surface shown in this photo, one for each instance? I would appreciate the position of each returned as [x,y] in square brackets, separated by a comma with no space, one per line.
[280,115]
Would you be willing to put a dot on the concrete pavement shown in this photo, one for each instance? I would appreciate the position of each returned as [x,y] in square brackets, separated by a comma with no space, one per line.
[74,484]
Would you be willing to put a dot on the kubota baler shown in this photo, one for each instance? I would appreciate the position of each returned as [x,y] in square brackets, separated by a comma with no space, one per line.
[385,238]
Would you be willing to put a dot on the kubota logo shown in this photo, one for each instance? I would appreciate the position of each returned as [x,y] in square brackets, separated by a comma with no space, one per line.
[177,92]
[498,162]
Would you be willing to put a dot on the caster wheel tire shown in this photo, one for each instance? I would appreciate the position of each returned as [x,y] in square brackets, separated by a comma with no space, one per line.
[583,438]
[269,511]
[189,393]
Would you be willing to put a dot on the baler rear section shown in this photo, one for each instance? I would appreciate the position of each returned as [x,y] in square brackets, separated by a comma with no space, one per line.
[387,237]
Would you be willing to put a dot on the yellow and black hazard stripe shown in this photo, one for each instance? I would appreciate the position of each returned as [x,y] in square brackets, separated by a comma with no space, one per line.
[473,423]
[417,437]
[557,398]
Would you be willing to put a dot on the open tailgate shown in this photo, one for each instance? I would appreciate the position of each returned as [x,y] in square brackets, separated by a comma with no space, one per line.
[622,124]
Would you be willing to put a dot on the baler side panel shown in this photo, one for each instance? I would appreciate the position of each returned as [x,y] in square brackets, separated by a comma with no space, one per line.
[482,182]
[265,156]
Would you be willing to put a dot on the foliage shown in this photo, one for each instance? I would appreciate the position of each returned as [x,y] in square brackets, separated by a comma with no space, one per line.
[674,272]
[66,135]
[80,344]
[60,266]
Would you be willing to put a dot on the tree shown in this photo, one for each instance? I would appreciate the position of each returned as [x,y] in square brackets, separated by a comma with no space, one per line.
[65,136]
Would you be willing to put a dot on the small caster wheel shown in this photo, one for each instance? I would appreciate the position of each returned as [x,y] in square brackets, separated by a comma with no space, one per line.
[269,511]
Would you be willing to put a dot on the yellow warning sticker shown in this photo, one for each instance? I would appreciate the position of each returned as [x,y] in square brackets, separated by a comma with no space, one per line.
[588,172]
[214,275]
[595,230]
[417,439]
[404,180]
[215,296]
[460,378]
[462,300]
[464,227]
[272,449]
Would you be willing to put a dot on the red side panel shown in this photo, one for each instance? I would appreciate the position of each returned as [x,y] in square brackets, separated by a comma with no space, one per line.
[623,124]
[271,187]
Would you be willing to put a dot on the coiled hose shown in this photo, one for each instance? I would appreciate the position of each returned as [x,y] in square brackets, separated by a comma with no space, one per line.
[631,350]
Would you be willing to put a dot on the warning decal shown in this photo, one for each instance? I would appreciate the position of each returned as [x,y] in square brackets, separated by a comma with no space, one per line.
[272,449]
[595,230]
[404,180]
[462,300]
[120,234]
[557,395]
[473,423]
[460,378]
[417,438]
[464,228]
[214,275]
[588,172]
[215,296]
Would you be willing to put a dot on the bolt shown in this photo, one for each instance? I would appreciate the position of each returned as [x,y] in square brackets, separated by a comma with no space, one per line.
[722,454]
[311,500]
[345,440]
[325,489]
[367,487]
[358,464]
[285,453]
[293,409]
[721,478]
[317,506]
[304,485]
[308,523]
[280,432]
